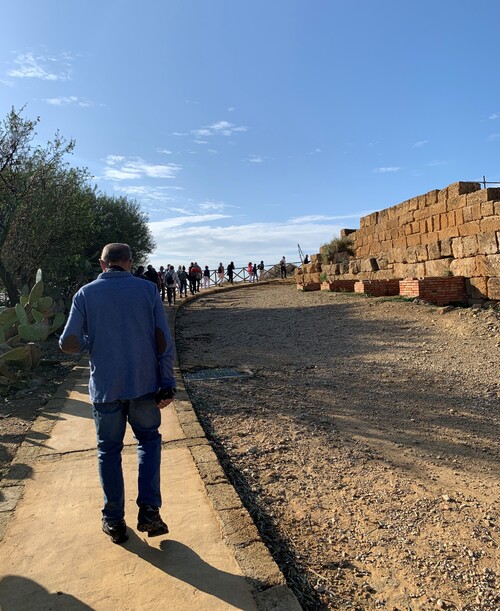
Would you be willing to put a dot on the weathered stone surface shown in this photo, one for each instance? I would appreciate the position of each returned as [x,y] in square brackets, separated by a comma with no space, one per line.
[464,247]
[438,267]
[487,243]
[488,265]
[477,288]
[434,250]
[494,288]
[464,267]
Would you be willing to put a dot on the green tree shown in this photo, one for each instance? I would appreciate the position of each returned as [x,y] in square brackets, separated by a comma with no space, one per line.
[24,169]
[119,219]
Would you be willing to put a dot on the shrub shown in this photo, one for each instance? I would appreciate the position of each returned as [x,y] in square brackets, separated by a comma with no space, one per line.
[330,249]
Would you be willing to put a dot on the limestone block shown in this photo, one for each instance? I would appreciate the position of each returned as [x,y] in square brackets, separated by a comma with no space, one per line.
[477,287]
[414,240]
[494,288]
[434,250]
[439,267]
[399,243]
[490,223]
[487,243]
[465,267]
[450,232]
[445,247]
[443,195]
[409,270]
[488,265]
[382,262]
[471,213]
[484,195]
[421,253]
[409,255]
[469,228]
[487,209]
[462,188]
[431,197]
[456,202]
[465,247]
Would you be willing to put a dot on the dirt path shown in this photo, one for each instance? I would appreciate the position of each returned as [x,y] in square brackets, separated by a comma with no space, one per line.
[366,444]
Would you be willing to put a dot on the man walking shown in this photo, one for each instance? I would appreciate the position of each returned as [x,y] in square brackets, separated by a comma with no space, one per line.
[121,321]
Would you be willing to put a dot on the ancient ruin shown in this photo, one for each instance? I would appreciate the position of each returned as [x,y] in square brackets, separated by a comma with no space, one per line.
[443,246]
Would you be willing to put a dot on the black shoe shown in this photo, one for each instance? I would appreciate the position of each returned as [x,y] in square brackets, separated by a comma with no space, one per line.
[117,532]
[149,521]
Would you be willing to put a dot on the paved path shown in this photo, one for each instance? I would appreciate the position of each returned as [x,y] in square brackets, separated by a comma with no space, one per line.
[53,554]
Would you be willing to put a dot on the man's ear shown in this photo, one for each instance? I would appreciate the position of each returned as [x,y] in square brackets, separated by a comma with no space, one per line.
[103,265]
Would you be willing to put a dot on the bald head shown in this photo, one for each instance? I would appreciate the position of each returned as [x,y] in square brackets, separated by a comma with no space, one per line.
[113,254]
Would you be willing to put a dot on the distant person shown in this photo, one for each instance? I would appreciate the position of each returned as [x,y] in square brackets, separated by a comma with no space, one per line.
[120,320]
[172,282]
[191,279]
[161,277]
[220,273]
[197,276]
[283,267]
[183,281]
[250,271]
[206,277]
[139,272]
[306,259]
[260,267]
[254,273]
[152,275]
[230,272]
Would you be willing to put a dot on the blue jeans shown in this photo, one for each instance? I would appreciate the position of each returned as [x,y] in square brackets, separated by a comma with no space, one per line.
[110,421]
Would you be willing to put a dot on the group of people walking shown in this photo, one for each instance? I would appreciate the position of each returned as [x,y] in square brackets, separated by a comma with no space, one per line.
[171,282]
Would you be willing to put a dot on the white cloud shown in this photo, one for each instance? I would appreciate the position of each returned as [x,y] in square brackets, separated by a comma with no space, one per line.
[164,151]
[71,100]
[157,227]
[220,128]
[436,163]
[387,169]
[29,65]
[213,206]
[420,144]
[494,116]
[134,168]
[494,137]
[255,159]
[208,242]
[144,193]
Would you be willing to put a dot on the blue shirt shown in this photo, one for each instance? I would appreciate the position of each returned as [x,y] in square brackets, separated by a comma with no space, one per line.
[120,320]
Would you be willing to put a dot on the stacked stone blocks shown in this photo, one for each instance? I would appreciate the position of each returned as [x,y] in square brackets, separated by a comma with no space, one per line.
[452,232]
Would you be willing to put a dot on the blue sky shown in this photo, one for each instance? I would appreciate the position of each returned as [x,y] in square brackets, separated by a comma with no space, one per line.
[246,127]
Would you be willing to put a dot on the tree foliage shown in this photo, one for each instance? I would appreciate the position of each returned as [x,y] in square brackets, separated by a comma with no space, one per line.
[51,215]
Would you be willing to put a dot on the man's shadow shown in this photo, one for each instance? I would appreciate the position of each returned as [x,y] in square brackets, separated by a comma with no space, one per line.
[18,592]
[180,561]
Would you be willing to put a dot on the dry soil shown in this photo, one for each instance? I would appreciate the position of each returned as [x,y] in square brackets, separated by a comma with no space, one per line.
[365,443]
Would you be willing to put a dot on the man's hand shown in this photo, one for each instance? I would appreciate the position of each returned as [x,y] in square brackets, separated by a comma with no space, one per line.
[165,396]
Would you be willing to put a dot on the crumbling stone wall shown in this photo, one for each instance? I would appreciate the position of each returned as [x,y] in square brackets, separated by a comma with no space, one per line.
[451,232]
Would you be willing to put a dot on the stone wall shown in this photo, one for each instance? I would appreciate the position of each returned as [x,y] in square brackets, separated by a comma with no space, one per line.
[451,232]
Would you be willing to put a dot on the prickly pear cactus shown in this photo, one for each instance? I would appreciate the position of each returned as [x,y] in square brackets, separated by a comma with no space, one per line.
[32,320]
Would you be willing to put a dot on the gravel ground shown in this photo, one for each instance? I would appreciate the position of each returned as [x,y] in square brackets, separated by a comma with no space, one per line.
[365,444]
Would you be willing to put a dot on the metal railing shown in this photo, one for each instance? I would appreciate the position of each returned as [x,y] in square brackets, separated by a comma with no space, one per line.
[241,274]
